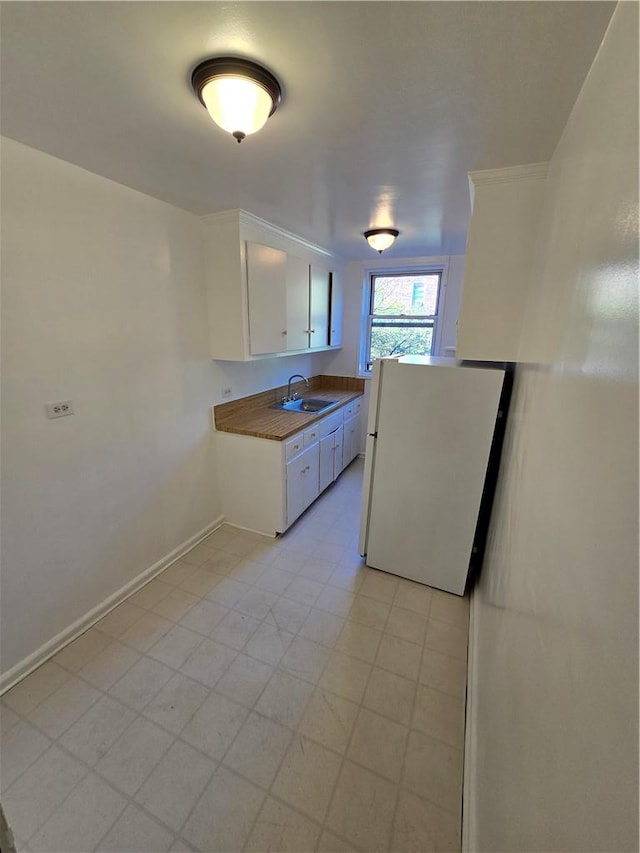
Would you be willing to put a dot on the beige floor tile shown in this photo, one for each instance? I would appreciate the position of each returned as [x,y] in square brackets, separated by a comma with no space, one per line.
[359,641]
[407,625]
[284,699]
[30,801]
[93,734]
[175,605]
[8,719]
[214,725]
[305,659]
[288,615]
[141,683]
[176,703]
[439,715]
[256,603]
[21,746]
[241,544]
[74,656]
[421,826]
[434,771]
[208,662]
[204,616]
[273,580]
[146,631]
[264,553]
[317,569]
[221,562]
[201,582]
[258,749]
[345,676]
[369,612]
[349,577]
[177,572]
[220,536]
[62,708]
[175,784]
[244,680]
[175,647]
[288,560]
[322,627]
[224,815]
[150,594]
[246,571]
[413,596]
[362,808]
[82,820]
[399,656]
[236,629]
[454,609]
[447,639]
[119,620]
[444,673]
[335,600]
[134,755]
[378,743]
[279,829]
[330,843]
[228,592]
[199,554]
[136,831]
[329,720]
[390,695]
[269,643]
[35,687]
[109,665]
[303,590]
[307,777]
[380,586]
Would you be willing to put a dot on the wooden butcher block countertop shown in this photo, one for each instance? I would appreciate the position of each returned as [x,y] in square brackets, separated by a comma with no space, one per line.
[253,415]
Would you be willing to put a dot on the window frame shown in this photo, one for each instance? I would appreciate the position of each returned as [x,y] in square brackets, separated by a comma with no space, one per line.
[441,268]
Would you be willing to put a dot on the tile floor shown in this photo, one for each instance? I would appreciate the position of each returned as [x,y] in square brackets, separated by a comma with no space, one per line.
[258,695]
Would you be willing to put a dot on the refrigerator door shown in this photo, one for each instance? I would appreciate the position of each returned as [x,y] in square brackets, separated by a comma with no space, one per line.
[435,427]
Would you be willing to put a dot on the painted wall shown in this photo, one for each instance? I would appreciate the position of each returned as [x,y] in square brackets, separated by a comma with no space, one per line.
[552,756]
[103,303]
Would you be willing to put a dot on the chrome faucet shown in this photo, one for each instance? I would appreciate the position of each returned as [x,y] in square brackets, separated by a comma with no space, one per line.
[291,378]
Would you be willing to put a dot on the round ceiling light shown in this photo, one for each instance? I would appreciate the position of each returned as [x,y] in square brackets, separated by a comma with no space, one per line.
[380,238]
[239,95]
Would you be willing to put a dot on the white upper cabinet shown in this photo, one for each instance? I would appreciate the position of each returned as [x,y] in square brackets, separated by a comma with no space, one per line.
[269,292]
[500,261]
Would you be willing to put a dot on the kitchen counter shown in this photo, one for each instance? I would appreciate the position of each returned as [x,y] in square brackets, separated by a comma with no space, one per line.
[253,415]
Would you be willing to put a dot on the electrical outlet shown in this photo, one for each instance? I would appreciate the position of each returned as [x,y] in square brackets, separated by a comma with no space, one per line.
[59,410]
[226,392]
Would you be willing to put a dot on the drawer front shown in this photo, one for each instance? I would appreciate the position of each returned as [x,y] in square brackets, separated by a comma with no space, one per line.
[352,408]
[312,435]
[328,424]
[293,446]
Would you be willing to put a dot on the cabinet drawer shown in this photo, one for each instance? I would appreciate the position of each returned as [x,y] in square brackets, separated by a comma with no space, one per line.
[293,446]
[352,408]
[329,424]
[311,435]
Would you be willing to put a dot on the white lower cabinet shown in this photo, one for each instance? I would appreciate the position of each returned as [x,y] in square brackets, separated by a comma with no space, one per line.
[266,485]
[302,482]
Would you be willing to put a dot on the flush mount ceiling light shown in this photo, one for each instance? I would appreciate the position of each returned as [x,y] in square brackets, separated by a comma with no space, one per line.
[380,238]
[239,95]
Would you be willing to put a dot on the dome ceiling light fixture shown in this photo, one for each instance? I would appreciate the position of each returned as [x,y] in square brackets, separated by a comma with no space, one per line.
[238,94]
[380,238]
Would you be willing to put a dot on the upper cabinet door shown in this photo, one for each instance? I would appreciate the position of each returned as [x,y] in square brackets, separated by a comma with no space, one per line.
[335,315]
[297,303]
[267,298]
[319,293]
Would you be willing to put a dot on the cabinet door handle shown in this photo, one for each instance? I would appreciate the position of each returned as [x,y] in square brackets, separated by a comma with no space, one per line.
[285,332]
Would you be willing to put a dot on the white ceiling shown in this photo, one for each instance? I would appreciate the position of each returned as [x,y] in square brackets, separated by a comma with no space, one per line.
[387,105]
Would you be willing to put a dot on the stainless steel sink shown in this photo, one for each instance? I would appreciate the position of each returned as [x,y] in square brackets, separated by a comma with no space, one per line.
[306,404]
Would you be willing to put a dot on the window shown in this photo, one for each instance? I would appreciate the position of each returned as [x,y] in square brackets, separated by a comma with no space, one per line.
[403,312]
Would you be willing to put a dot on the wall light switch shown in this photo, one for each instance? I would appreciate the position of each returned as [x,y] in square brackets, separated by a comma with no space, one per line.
[59,410]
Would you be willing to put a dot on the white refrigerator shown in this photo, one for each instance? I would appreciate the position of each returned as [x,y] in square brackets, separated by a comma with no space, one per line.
[430,435]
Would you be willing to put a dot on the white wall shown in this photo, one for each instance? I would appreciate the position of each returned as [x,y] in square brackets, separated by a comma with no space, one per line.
[103,303]
[552,758]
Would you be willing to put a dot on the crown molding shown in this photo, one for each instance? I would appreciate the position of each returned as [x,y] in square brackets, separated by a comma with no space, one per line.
[243,217]
[528,172]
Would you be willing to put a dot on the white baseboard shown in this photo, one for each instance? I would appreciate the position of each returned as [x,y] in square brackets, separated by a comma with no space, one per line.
[51,647]
[468,792]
